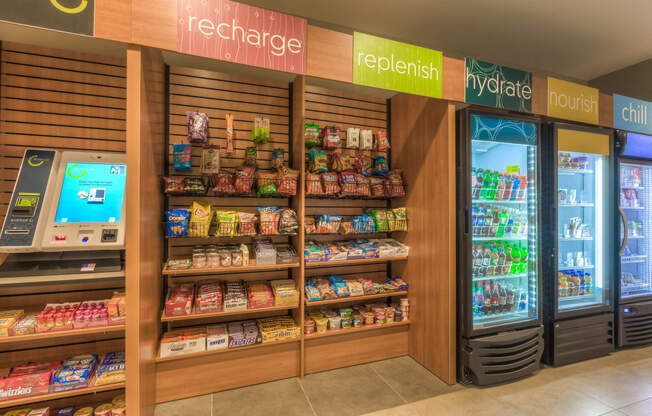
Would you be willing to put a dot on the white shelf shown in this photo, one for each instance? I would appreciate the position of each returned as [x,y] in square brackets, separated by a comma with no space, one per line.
[576,239]
[498,201]
[499,276]
[519,238]
[637,208]
[569,171]
[560,268]
[579,204]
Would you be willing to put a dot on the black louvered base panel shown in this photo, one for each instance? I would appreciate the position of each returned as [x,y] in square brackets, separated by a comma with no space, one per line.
[580,339]
[635,324]
[503,357]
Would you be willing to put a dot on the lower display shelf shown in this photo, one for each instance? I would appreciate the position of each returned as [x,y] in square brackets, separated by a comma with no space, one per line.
[21,401]
[194,316]
[331,333]
[160,359]
[356,298]
[353,261]
[102,330]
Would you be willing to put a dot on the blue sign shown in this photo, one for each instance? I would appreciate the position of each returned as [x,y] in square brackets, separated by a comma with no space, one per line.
[638,145]
[632,115]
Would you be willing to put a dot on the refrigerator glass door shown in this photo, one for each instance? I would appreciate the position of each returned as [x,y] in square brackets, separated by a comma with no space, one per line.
[583,215]
[504,221]
[635,266]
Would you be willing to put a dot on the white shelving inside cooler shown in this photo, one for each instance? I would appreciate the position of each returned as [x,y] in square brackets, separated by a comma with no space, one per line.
[582,221]
[635,200]
[521,158]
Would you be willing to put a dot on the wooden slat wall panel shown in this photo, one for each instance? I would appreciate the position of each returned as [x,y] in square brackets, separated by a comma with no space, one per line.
[58,100]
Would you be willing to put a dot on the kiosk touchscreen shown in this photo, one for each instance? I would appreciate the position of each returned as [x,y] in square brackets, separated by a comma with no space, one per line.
[23,226]
[87,211]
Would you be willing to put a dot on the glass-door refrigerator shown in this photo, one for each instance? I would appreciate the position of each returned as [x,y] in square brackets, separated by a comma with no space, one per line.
[634,288]
[500,331]
[579,243]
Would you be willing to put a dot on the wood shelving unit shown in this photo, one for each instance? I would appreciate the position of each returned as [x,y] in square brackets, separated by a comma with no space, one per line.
[354,262]
[347,331]
[350,299]
[55,335]
[22,401]
[223,351]
[196,316]
[250,268]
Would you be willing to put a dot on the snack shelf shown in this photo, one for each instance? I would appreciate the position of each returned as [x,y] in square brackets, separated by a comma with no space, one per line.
[355,197]
[225,350]
[21,401]
[570,171]
[194,316]
[101,330]
[353,262]
[356,298]
[498,201]
[331,333]
[579,204]
[251,268]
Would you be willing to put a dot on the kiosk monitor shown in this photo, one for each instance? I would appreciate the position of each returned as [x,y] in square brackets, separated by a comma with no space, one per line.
[88,209]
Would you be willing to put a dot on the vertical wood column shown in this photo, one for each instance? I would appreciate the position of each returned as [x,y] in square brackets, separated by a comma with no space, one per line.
[423,145]
[144,238]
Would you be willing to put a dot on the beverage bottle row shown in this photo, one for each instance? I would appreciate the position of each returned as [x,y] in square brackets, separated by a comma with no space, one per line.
[495,299]
[491,185]
[494,258]
[574,283]
[492,221]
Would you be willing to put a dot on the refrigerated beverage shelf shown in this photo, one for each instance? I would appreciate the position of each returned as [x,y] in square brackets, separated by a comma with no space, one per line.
[498,276]
[504,238]
[498,201]
[562,267]
[500,318]
[639,208]
[635,237]
[579,204]
[632,187]
[570,171]
[576,239]
[640,258]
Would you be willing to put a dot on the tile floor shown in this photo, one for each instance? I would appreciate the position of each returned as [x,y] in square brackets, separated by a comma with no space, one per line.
[616,385]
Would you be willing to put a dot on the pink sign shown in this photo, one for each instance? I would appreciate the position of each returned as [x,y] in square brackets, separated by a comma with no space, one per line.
[230,31]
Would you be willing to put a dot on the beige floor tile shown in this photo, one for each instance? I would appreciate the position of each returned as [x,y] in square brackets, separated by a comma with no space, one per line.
[467,402]
[196,406]
[410,380]
[643,408]
[277,398]
[349,391]
[406,410]
[614,413]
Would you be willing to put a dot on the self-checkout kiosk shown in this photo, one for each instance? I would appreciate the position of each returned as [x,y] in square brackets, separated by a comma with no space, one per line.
[66,218]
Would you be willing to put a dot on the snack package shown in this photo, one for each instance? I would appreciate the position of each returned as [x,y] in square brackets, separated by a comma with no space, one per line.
[183,341]
[363,189]
[318,161]
[364,165]
[381,142]
[251,155]
[311,135]
[288,223]
[380,217]
[227,224]
[328,224]
[400,215]
[346,227]
[217,337]
[288,180]
[24,326]
[259,295]
[229,133]
[193,185]
[381,166]
[266,183]
[269,219]
[348,183]
[75,373]
[200,219]
[224,181]
[312,294]
[286,254]
[394,187]
[244,179]
[352,138]
[177,222]
[246,223]
[366,140]
[8,319]
[111,369]
[278,158]
[173,184]
[285,292]
[377,186]
[261,132]
[309,225]
[210,159]
[197,127]
[330,183]
[341,162]
[182,157]
[331,138]
[179,300]
[313,184]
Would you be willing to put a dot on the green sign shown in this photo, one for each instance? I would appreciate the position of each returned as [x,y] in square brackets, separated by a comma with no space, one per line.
[396,66]
[498,86]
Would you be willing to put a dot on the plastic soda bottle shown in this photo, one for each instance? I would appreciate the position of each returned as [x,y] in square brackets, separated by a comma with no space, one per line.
[515,187]
[495,296]
[501,260]
[486,184]
[516,260]
[502,299]
[486,296]
[508,260]
[502,222]
[500,188]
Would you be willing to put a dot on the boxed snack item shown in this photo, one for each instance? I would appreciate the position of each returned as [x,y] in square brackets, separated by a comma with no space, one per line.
[285,292]
[27,380]
[179,300]
[286,254]
[278,328]
[259,295]
[8,319]
[24,326]
[44,411]
[265,252]
[56,317]
[117,309]
[75,373]
[112,369]
[235,298]
[208,297]
[243,333]
[217,337]
[91,314]
[313,252]
[183,341]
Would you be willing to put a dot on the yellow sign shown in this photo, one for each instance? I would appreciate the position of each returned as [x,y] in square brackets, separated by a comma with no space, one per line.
[583,142]
[70,10]
[571,101]
[513,169]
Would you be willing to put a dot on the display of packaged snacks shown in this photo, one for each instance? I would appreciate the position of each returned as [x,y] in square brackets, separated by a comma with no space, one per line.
[183,341]
[278,328]
[235,297]
[224,181]
[75,373]
[244,179]
[311,135]
[177,222]
[173,184]
[317,161]
[27,380]
[265,252]
[330,181]
[352,250]
[269,218]
[8,319]
[197,127]
[217,337]
[208,297]
[56,317]
[381,142]
[288,180]
[380,218]
[179,300]
[243,333]
[366,140]
[355,317]
[182,157]
[200,219]
[352,138]
[266,183]
[285,292]
[259,295]
[314,184]
[111,369]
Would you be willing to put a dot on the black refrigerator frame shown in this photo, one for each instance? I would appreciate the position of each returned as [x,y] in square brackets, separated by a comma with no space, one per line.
[638,304]
[464,234]
[572,336]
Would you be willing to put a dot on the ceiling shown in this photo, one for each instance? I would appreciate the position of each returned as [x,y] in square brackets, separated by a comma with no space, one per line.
[576,39]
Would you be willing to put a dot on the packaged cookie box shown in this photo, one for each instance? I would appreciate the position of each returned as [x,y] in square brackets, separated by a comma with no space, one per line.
[184,341]
[8,319]
[217,337]
[179,300]
[27,380]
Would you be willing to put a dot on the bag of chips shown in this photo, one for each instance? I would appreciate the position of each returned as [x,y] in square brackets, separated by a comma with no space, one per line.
[380,218]
[177,222]
[266,183]
[244,179]
[182,157]
[251,153]
[364,165]
[313,184]
[227,224]
[269,217]
[318,161]
[364,189]
[401,219]
[197,127]
[366,140]
[331,138]
[173,184]
[330,182]
[278,158]
[288,223]
[200,219]
[311,135]
[381,167]
[224,181]
[349,186]
[288,180]
[246,223]
[382,142]
[309,225]
[394,187]
[193,185]
[377,187]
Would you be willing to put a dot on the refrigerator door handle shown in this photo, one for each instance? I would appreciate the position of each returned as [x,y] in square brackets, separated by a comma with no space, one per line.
[625,231]
[466,221]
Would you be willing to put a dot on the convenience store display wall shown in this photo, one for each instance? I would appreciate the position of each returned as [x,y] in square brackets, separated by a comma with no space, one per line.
[54,99]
